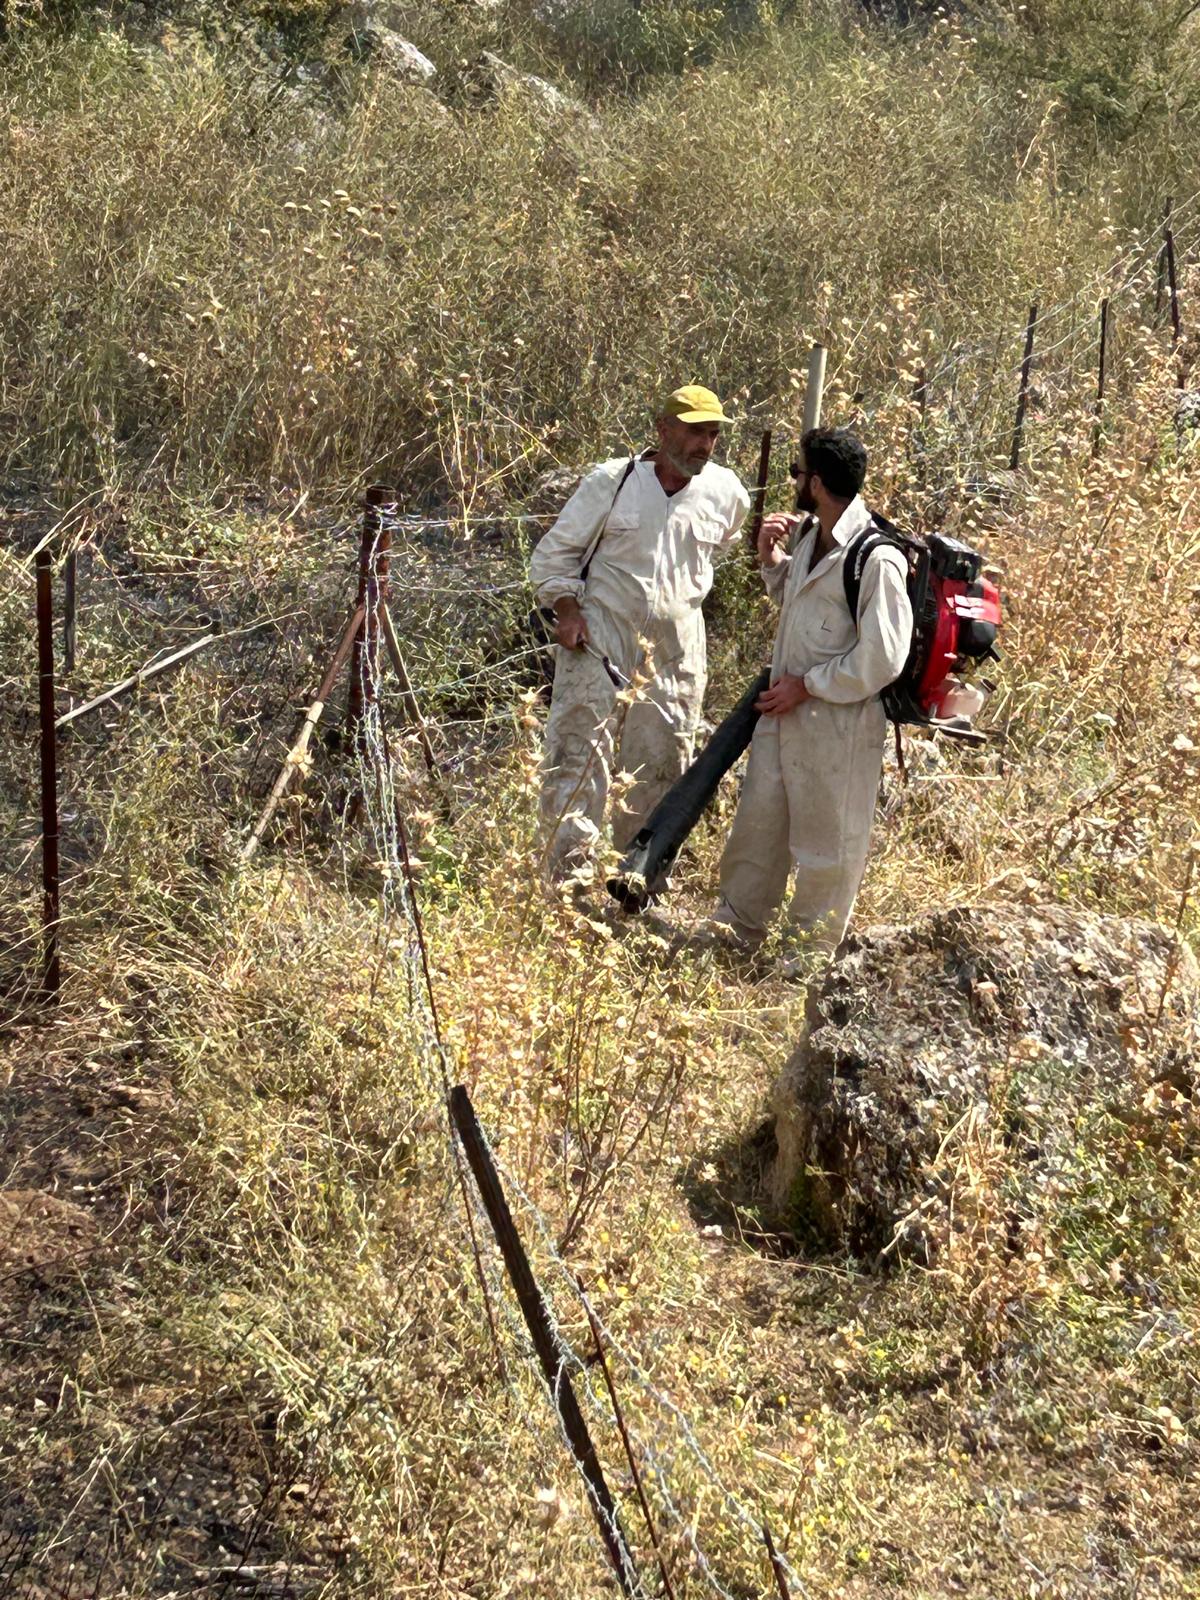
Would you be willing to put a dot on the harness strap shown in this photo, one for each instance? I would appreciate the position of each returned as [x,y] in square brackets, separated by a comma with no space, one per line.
[859,551]
[603,528]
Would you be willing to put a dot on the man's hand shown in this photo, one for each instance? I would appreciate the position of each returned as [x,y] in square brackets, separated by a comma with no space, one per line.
[775,529]
[572,628]
[785,694]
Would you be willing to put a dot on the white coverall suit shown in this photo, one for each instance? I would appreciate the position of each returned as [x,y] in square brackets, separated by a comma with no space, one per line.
[646,582]
[808,799]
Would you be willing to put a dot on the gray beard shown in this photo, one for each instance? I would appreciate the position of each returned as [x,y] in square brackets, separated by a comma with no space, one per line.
[683,466]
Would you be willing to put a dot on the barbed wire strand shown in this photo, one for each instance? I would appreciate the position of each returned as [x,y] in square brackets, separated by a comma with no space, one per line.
[381,805]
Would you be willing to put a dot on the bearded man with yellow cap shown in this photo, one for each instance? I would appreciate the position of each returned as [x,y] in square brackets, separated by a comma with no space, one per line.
[625,569]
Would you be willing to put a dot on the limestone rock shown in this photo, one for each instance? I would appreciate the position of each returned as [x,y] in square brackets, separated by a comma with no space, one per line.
[490,78]
[383,47]
[318,75]
[384,14]
[1187,412]
[1023,1023]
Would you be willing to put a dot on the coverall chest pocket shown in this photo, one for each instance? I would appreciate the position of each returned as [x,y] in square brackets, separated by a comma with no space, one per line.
[620,536]
[707,531]
[829,627]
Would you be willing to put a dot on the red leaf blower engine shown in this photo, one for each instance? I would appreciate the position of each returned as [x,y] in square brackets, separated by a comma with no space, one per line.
[956,615]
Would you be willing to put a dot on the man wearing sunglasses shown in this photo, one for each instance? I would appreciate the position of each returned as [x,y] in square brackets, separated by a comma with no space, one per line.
[808,799]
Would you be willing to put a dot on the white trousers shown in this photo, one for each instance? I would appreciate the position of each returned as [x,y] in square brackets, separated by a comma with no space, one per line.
[807,805]
[589,734]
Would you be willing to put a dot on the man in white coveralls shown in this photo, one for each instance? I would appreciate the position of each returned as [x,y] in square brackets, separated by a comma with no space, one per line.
[625,569]
[808,799]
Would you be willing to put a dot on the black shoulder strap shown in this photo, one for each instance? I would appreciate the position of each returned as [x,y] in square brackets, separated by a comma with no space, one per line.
[595,544]
[879,532]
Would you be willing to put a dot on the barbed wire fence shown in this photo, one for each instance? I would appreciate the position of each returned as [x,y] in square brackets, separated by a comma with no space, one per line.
[672,1438]
[654,1428]
[666,1445]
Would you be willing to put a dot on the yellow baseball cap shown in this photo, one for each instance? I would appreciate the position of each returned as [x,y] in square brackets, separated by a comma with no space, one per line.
[693,403]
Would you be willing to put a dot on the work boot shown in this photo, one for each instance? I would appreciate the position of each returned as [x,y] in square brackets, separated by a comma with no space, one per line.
[713,933]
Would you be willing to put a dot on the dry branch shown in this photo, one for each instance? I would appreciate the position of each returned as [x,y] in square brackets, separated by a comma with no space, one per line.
[411,706]
[294,757]
[151,671]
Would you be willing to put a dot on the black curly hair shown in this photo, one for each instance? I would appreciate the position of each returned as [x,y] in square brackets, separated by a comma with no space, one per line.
[838,458]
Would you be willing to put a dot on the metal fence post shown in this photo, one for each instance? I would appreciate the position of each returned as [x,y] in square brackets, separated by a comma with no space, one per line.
[1160,263]
[1097,432]
[1173,290]
[1014,460]
[917,439]
[541,1331]
[758,499]
[70,572]
[814,390]
[51,975]
[374,553]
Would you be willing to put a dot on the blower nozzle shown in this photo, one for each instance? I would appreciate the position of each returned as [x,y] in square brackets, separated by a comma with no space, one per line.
[644,868]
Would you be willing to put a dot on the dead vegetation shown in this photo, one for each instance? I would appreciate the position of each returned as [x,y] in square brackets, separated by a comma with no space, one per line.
[245,1347]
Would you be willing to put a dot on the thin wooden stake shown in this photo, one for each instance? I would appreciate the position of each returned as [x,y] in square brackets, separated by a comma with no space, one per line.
[293,760]
[1098,430]
[1014,460]
[541,1331]
[411,704]
[152,671]
[51,972]
[781,1582]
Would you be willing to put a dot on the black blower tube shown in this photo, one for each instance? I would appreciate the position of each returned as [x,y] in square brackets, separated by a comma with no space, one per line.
[643,871]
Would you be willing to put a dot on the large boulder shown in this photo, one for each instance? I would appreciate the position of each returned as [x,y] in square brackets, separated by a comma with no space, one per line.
[1009,1027]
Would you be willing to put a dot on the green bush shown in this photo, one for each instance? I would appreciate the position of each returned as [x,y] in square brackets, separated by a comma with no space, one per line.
[1117,70]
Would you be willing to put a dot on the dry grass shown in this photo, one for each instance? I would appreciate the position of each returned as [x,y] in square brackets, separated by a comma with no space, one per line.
[249,1351]
[239,281]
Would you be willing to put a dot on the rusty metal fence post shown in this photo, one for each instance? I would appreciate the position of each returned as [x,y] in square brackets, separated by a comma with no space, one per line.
[374,554]
[1173,291]
[758,499]
[1014,460]
[70,573]
[541,1331]
[51,975]
[918,439]
[1160,264]
[1098,429]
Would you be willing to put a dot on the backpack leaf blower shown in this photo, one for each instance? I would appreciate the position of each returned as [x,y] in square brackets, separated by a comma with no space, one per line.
[956,616]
